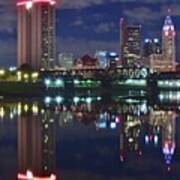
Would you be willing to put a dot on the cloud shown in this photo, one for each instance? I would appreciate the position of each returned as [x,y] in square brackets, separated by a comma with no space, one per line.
[82,46]
[105,27]
[8,52]
[148,15]
[78,22]
[76,4]
[7,16]
[141,15]
[80,3]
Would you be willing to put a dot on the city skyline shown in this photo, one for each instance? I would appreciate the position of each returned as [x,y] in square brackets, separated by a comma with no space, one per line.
[74,26]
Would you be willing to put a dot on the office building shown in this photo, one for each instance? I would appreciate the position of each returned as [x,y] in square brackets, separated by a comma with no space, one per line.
[130,46]
[152,46]
[36,33]
[169,43]
[66,60]
[166,60]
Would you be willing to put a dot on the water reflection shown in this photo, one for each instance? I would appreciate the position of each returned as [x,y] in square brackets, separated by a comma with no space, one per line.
[36,145]
[138,126]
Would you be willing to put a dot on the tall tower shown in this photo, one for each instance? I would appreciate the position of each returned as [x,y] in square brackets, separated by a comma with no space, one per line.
[169,42]
[36,33]
[130,44]
[122,39]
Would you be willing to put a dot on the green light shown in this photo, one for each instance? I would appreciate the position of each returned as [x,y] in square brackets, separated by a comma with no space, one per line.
[135,82]
[89,81]
[76,81]
[59,82]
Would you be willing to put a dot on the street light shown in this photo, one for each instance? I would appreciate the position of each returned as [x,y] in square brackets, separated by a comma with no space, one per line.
[89,100]
[59,99]
[59,82]
[48,100]
[76,100]
[47,82]
[2,72]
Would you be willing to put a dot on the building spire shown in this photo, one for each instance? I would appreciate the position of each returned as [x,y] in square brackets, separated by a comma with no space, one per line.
[168,24]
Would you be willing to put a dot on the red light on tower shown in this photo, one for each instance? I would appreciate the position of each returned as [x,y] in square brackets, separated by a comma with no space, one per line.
[52,2]
[29,175]
[24,2]
[21,3]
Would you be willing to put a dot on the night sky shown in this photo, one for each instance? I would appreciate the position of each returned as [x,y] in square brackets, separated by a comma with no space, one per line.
[84,26]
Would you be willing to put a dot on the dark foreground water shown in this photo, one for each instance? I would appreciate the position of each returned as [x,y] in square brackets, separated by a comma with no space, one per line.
[128,140]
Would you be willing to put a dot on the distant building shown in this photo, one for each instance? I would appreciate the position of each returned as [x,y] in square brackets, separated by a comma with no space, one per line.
[36,33]
[113,59]
[152,52]
[86,61]
[130,46]
[102,59]
[165,60]
[106,59]
[152,46]
[66,60]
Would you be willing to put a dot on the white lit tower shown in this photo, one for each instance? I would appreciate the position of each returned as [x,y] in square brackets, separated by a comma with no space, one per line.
[36,33]
[169,43]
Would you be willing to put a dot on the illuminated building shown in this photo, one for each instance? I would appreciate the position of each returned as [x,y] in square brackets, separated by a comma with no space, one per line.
[36,33]
[36,147]
[85,61]
[88,61]
[168,43]
[152,52]
[66,60]
[151,46]
[103,61]
[106,59]
[130,38]
[113,58]
[167,60]
[130,136]
[122,40]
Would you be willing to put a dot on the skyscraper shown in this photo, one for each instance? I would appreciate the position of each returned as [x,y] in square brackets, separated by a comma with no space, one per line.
[130,37]
[166,60]
[122,39]
[36,33]
[168,42]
